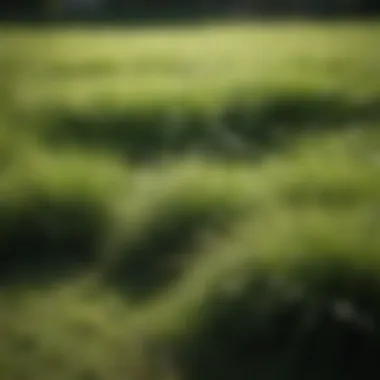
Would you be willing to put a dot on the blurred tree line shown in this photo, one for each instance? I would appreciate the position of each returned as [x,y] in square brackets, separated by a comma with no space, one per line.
[153,9]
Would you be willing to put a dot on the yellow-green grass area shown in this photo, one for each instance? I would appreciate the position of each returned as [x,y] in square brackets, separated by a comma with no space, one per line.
[193,269]
[190,268]
[223,88]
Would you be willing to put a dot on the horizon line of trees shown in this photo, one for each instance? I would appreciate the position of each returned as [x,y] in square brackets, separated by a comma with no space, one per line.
[171,9]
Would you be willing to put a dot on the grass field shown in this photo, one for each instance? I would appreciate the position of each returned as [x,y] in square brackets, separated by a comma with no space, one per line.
[81,68]
[190,203]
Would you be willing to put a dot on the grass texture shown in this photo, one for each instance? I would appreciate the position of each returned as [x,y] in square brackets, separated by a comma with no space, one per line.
[200,203]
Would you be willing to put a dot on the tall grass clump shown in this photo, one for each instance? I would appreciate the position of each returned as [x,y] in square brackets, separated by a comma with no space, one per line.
[293,293]
[55,209]
[169,213]
[303,303]
[69,331]
[246,123]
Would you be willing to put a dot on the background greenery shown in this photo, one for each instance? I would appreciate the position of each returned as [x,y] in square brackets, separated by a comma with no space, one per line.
[174,10]
[191,203]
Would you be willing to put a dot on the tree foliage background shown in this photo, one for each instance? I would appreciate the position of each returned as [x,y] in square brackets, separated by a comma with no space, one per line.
[172,9]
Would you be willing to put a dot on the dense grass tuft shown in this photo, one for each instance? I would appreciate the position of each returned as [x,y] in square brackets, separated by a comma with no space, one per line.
[55,211]
[293,292]
[171,212]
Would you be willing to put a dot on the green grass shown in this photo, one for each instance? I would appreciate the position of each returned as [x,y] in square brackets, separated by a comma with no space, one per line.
[246,247]
[80,69]
[222,89]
